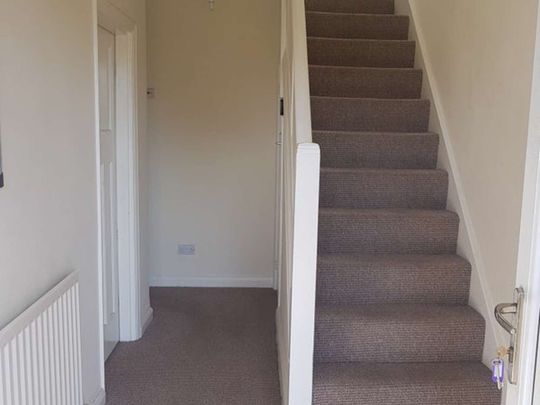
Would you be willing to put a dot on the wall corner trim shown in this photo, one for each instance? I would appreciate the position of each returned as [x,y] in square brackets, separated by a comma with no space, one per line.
[99,398]
[147,320]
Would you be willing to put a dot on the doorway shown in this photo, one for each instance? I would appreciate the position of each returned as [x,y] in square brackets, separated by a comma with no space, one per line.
[118,183]
[108,187]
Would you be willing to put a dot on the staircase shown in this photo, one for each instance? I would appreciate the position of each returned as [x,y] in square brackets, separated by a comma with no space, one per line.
[392,321]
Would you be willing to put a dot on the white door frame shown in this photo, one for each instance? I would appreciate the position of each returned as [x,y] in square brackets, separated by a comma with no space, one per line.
[528,269]
[125,30]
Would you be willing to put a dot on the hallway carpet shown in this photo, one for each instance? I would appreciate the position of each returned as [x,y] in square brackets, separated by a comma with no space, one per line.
[205,346]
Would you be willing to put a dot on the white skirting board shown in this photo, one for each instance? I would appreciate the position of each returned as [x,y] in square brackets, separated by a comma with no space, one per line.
[40,351]
[99,398]
[147,319]
[224,282]
[283,359]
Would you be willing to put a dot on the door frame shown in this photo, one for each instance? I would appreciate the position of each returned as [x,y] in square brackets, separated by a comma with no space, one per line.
[127,157]
[528,265]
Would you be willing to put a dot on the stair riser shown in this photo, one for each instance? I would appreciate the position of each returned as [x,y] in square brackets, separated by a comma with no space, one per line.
[383,189]
[404,384]
[374,233]
[368,53]
[350,284]
[357,26]
[372,150]
[410,395]
[349,339]
[365,82]
[352,6]
[348,114]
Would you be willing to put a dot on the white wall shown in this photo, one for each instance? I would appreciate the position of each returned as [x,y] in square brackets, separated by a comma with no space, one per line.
[48,208]
[212,129]
[479,58]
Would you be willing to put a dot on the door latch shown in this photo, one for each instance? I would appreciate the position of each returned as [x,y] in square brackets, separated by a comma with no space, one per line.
[512,326]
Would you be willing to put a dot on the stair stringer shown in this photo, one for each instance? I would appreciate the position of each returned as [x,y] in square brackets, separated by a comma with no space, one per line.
[480,297]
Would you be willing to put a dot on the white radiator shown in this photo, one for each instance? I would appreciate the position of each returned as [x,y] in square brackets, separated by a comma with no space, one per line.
[40,360]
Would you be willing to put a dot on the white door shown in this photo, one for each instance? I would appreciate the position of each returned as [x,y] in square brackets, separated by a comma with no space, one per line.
[109,220]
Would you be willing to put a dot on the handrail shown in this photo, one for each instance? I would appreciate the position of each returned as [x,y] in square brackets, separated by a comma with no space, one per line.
[299,166]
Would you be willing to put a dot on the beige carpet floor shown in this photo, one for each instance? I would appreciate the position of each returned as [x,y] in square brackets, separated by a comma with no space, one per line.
[205,346]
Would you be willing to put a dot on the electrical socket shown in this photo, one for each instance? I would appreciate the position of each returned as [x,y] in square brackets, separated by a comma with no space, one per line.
[186,249]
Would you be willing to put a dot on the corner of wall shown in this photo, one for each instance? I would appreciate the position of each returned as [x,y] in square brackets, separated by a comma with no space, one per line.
[480,297]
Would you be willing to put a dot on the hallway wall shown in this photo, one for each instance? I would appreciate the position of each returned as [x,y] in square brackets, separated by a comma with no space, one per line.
[48,207]
[212,129]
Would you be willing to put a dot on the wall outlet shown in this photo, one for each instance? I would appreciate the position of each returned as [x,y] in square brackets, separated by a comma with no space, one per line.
[186,250]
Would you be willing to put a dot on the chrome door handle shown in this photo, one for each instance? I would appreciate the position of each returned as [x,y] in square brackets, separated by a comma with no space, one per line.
[513,309]
[504,309]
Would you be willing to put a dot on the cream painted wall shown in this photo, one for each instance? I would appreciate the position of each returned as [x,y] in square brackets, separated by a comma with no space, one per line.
[481,58]
[48,208]
[212,129]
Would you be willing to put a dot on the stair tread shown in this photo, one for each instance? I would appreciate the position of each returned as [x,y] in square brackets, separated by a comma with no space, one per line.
[392,278]
[383,188]
[364,6]
[412,259]
[389,172]
[360,52]
[449,383]
[387,230]
[382,15]
[392,150]
[411,212]
[369,114]
[366,68]
[367,40]
[399,332]
[356,25]
[365,82]
[400,313]
[382,133]
[374,99]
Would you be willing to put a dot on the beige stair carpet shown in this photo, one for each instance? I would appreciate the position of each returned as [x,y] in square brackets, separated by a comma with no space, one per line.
[392,321]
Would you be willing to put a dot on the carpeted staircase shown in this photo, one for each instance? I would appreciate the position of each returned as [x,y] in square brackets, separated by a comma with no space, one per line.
[392,321]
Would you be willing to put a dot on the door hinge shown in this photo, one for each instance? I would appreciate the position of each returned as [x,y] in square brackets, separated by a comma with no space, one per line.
[281,107]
